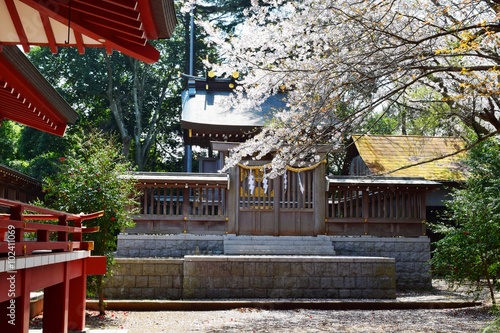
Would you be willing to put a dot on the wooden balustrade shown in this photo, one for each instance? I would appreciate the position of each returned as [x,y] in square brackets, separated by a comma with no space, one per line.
[26,229]
[174,203]
[377,206]
[181,203]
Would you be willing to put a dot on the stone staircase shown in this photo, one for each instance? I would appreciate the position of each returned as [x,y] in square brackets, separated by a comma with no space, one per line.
[282,245]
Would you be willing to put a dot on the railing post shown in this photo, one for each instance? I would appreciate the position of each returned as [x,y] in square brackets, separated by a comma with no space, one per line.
[16,215]
[62,236]
[319,203]
[186,205]
[233,200]
[423,212]
[366,209]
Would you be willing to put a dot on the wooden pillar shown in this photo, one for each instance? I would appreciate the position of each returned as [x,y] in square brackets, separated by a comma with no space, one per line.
[319,202]
[15,312]
[366,209]
[232,200]
[423,211]
[62,236]
[55,306]
[277,184]
[76,310]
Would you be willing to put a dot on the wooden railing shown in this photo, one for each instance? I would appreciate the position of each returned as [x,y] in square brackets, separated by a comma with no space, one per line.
[25,229]
[377,206]
[181,203]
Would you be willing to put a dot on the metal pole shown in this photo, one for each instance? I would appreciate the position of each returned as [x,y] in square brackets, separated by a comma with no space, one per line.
[189,151]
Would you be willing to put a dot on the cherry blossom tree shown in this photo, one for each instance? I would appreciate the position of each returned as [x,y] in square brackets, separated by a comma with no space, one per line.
[341,62]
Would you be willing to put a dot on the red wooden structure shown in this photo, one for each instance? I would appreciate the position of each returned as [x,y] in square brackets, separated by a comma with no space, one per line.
[122,25]
[58,260]
[43,249]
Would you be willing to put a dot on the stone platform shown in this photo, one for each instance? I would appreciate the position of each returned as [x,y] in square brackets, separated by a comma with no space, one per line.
[411,254]
[223,277]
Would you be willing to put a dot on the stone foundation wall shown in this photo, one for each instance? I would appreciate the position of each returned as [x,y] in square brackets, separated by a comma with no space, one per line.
[200,277]
[288,277]
[139,278]
[151,246]
[412,256]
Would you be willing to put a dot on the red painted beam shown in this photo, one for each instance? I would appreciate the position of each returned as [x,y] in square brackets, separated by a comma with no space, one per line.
[95,265]
[18,25]
[49,275]
[145,52]
[148,20]
[49,33]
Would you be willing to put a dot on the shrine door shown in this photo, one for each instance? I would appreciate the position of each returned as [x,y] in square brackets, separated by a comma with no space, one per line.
[282,206]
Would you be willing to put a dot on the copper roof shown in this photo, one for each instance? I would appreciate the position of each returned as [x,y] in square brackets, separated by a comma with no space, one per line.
[207,116]
[122,25]
[405,156]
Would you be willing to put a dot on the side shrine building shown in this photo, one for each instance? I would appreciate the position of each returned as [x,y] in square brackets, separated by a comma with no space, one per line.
[241,235]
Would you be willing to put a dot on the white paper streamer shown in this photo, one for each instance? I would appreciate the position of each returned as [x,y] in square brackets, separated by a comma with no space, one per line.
[300,183]
[251,183]
[264,182]
[285,181]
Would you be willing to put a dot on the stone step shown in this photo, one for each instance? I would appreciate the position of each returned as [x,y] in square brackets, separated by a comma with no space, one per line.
[283,245]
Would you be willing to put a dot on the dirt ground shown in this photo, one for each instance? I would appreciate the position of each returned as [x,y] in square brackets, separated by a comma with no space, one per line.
[460,320]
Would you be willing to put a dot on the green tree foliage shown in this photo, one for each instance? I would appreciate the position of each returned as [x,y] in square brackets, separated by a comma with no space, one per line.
[119,94]
[8,135]
[138,103]
[470,249]
[90,179]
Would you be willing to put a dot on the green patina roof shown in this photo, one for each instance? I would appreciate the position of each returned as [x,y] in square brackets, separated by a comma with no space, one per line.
[400,156]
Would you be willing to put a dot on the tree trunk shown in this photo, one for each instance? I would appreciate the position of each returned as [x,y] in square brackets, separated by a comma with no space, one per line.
[100,292]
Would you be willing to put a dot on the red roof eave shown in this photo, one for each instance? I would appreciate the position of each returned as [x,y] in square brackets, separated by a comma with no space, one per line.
[27,98]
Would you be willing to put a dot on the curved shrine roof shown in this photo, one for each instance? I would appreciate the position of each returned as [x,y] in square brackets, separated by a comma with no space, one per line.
[207,114]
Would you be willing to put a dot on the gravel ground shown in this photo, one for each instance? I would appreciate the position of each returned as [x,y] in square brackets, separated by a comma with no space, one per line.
[464,320]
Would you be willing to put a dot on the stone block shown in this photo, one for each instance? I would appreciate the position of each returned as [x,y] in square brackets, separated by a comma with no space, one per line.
[343,269]
[166,281]
[326,283]
[149,269]
[141,281]
[177,282]
[154,281]
[361,293]
[248,268]
[261,269]
[344,293]
[136,269]
[309,268]
[134,253]
[349,282]
[134,293]
[237,269]
[114,281]
[312,282]
[129,281]
[148,293]
[160,269]
[329,293]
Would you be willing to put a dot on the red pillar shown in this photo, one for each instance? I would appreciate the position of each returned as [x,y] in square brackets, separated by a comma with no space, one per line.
[15,312]
[78,291]
[55,306]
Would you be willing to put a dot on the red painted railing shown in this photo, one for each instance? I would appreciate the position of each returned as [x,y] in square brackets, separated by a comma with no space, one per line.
[26,229]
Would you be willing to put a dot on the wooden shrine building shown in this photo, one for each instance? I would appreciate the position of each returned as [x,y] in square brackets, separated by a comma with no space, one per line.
[304,212]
